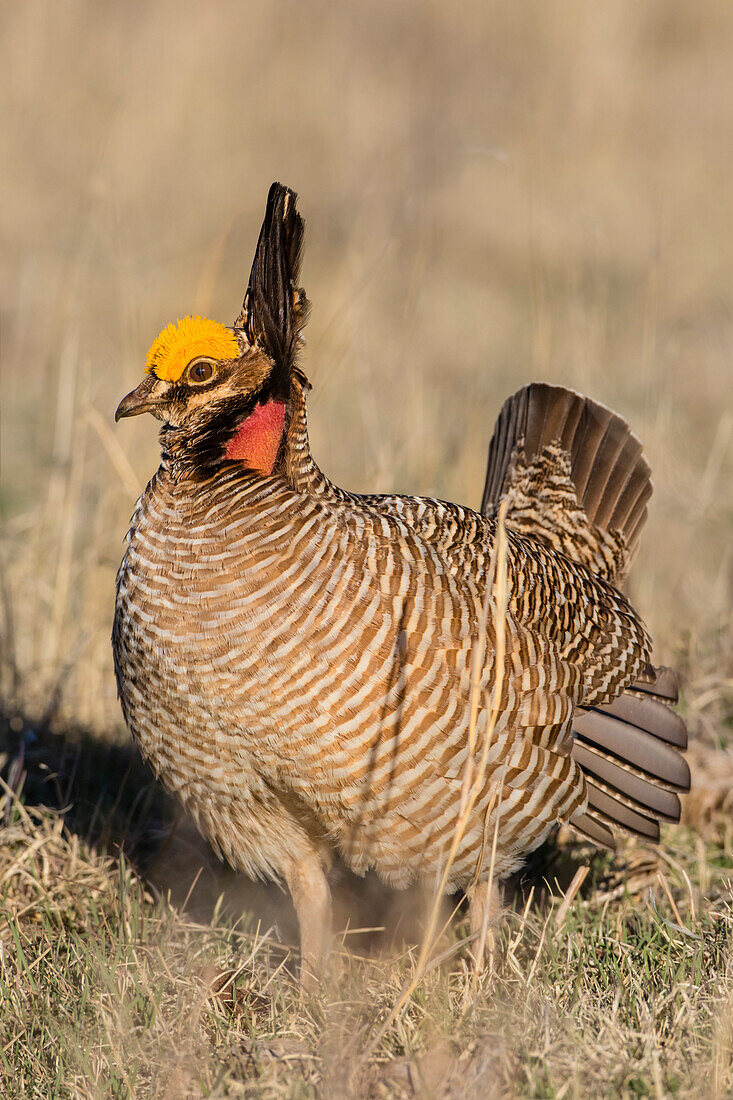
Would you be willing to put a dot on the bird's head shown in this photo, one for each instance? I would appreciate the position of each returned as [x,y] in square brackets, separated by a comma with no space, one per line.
[222,391]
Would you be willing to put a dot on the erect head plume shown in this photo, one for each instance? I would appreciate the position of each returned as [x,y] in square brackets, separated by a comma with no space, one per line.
[191,337]
[275,308]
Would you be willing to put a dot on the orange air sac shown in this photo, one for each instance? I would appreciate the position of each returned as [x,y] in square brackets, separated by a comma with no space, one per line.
[258,438]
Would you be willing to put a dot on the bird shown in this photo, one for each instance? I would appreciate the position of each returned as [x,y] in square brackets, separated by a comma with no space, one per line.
[403,684]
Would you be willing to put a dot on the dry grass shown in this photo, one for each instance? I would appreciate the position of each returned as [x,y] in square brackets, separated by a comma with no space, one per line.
[534,190]
[108,989]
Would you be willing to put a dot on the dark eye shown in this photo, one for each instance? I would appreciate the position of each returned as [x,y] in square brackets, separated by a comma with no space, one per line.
[201,371]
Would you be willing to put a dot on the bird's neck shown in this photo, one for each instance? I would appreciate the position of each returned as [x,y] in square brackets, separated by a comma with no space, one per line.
[271,438]
[249,436]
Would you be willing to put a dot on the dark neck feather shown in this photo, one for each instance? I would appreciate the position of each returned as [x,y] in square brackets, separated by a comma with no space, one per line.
[198,447]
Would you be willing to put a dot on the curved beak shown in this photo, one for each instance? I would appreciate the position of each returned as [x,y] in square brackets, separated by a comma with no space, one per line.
[147,397]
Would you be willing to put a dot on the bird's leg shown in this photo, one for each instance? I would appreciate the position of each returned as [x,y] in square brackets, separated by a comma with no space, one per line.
[311,894]
[484,909]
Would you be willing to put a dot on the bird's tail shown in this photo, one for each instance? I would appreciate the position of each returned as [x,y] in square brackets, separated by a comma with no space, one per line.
[573,476]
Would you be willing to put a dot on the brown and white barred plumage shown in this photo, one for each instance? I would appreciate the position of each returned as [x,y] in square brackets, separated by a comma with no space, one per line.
[572,477]
[295,661]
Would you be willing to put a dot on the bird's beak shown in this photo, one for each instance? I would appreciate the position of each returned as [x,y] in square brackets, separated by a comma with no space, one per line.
[148,397]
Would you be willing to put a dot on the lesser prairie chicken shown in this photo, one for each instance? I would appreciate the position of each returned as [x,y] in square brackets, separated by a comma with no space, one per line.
[313,672]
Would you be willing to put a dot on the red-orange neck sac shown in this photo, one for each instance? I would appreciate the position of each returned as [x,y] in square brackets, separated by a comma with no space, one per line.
[257,439]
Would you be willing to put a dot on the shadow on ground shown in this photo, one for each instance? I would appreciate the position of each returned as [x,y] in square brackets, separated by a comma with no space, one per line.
[110,798]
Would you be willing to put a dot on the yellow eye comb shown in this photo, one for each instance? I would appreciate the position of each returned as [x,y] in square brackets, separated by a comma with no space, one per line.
[175,347]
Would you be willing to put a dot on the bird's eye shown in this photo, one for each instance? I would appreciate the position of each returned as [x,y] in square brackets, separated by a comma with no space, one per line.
[201,371]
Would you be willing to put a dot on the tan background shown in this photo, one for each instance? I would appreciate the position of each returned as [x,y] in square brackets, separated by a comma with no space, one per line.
[494,192]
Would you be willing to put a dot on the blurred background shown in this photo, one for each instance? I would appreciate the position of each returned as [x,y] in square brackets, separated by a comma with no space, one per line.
[494,193]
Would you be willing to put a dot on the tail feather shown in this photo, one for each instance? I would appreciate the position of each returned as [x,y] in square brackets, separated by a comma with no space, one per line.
[619,814]
[594,829]
[572,473]
[629,506]
[650,715]
[627,782]
[634,529]
[596,464]
[511,426]
[556,416]
[626,463]
[640,748]
[662,683]
[630,752]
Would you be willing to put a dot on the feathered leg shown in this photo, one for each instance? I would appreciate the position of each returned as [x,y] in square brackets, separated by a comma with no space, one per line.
[311,894]
[484,910]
